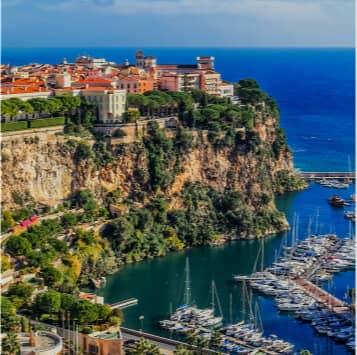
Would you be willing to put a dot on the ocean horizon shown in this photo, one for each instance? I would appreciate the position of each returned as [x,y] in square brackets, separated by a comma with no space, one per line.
[314,88]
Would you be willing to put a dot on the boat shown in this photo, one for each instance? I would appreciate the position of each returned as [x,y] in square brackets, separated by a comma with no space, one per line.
[350,215]
[337,201]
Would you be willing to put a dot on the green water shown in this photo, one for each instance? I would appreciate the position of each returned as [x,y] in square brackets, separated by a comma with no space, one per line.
[159,282]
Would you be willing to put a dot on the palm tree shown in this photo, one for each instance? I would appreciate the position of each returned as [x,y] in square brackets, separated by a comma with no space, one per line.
[10,344]
[144,347]
[181,350]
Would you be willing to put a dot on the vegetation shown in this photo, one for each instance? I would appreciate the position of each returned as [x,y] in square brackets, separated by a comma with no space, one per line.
[48,122]
[75,112]
[286,181]
[13,126]
[63,105]
[143,347]
[155,230]
[10,344]
[54,306]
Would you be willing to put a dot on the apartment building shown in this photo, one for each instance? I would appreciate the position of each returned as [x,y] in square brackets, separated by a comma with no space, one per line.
[111,103]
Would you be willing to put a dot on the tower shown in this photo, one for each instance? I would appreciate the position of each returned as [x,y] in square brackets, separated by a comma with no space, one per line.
[205,63]
[140,59]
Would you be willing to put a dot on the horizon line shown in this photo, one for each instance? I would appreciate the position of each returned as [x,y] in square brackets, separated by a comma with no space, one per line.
[180,47]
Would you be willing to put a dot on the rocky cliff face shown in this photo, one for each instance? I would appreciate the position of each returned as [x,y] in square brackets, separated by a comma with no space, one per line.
[45,168]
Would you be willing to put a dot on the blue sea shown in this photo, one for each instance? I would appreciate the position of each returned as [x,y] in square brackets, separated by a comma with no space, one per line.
[315,90]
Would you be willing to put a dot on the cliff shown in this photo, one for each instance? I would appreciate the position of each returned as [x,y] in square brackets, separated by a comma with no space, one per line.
[45,167]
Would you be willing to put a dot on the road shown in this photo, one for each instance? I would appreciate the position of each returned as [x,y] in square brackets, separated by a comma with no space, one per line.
[4,236]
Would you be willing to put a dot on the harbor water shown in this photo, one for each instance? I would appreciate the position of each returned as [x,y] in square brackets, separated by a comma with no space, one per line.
[159,283]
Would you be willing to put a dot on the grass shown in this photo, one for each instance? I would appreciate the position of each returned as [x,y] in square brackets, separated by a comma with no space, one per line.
[48,122]
[13,126]
[40,123]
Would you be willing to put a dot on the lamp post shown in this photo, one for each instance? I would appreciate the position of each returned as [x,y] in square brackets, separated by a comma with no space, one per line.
[141,318]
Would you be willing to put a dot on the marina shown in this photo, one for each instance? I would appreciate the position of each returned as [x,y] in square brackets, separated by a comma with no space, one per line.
[289,282]
[240,338]
[219,263]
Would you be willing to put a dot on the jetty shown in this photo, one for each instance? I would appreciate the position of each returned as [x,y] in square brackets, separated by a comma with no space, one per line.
[323,297]
[291,282]
[328,175]
[124,304]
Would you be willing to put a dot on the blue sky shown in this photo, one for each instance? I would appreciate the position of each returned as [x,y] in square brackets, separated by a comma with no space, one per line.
[156,23]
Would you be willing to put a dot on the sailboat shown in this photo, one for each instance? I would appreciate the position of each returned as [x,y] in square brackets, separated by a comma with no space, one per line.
[259,255]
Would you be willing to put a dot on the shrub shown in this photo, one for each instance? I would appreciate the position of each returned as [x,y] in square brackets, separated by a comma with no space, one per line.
[13,126]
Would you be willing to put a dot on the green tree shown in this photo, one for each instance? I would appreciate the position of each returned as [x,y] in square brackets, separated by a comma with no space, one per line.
[69,220]
[20,293]
[144,347]
[48,302]
[18,245]
[10,344]
[86,312]
[83,152]
[52,276]
[7,221]
[181,350]
[5,263]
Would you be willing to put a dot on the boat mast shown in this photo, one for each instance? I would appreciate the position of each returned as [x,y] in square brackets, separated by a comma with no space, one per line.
[215,294]
[317,221]
[187,296]
[230,308]
[309,227]
[212,301]
[243,300]
[256,259]
[262,258]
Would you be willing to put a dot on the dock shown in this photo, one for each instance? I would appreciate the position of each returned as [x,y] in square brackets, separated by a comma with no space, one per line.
[125,303]
[328,175]
[323,297]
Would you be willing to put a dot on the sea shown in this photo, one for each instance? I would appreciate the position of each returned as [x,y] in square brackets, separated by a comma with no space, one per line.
[315,90]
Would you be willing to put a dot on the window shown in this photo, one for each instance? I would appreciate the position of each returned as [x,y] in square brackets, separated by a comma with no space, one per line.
[93,349]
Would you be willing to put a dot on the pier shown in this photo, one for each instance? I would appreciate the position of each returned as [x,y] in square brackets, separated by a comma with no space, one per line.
[124,304]
[323,297]
[328,175]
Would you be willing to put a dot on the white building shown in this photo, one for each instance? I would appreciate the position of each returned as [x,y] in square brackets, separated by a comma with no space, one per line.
[25,94]
[226,90]
[111,103]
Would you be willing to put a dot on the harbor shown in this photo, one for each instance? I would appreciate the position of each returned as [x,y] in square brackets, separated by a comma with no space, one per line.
[239,257]
[288,282]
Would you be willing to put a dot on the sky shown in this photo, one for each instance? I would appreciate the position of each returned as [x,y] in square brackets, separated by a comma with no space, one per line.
[178,23]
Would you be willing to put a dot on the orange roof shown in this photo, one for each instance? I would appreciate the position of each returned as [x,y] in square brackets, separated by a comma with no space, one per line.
[22,90]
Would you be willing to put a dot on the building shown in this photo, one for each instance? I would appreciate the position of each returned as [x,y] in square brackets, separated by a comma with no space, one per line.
[40,343]
[94,81]
[172,81]
[103,343]
[63,80]
[226,90]
[205,63]
[91,297]
[134,84]
[145,62]
[111,103]
[210,82]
